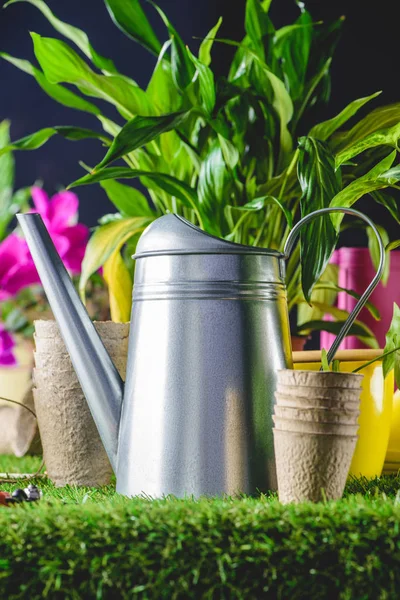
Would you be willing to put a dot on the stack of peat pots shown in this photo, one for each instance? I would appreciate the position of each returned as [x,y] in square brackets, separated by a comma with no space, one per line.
[315,433]
[72,449]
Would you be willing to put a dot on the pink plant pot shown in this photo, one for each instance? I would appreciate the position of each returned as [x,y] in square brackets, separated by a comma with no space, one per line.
[355,273]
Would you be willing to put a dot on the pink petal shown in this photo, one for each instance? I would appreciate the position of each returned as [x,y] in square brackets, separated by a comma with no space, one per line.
[7,341]
[12,250]
[63,210]
[20,277]
[41,201]
[7,360]
[73,260]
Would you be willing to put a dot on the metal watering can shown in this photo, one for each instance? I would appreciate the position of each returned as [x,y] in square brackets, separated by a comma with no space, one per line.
[209,331]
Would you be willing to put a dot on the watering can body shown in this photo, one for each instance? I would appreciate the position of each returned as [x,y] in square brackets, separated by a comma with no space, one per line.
[209,331]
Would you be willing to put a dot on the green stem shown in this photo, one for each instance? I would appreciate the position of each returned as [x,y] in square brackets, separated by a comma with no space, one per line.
[376,359]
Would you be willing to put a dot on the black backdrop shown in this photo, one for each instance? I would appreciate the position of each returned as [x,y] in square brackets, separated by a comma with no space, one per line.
[364,62]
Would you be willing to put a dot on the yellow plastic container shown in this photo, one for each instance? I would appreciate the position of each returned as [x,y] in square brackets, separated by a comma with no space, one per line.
[375,406]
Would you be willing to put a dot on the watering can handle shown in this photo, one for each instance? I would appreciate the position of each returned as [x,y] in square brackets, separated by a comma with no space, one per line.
[362,301]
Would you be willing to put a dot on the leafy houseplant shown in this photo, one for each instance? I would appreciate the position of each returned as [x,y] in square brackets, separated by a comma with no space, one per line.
[223,151]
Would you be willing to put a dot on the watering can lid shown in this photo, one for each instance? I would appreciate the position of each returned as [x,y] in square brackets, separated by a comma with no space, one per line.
[172,234]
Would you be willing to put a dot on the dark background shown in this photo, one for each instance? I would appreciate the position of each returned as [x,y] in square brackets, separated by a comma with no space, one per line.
[364,62]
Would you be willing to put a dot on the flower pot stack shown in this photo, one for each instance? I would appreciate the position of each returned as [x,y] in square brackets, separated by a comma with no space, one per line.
[72,449]
[315,433]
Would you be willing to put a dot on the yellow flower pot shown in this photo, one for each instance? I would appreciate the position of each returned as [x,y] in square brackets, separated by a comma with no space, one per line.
[375,406]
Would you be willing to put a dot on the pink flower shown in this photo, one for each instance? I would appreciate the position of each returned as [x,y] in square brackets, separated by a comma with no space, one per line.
[60,215]
[17,270]
[7,343]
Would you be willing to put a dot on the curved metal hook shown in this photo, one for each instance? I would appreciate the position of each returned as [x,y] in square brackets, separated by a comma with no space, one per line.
[362,301]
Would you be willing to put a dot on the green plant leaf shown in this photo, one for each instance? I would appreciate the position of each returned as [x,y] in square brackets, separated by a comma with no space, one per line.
[324,360]
[206,83]
[358,329]
[257,24]
[119,281]
[7,170]
[319,183]
[292,47]
[330,285]
[140,131]
[131,19]
[276,93]
[369,182]
[382,137]
[207,44]
[261,202]
[229,151]
[128,200]
[374,251]
[182,67]
[54,90]
[104,242]
[61,64]
[324,292]
[161,90]
[37,139]
[393,245]
[387,201]
[213,189]
[74,34]
[392,361]
[324,130]
[186,194]
[382,117]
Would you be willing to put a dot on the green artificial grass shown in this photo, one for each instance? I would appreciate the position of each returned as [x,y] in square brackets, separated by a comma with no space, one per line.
[85,543]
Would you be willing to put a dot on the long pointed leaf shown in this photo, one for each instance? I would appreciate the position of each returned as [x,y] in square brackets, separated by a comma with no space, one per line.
[324,130]
[72,33]
[206,81]
[37,139]
[382,137]
[128,200]
[105,240]
[363,185]
[129,16]
[140,131]
[61,64]
[207,44]
[119,282]
[7,170]
[182,67]
[56,91]
[319,183]
[167,183]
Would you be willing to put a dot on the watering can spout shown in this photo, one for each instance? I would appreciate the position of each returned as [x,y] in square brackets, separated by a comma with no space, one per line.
[99,378]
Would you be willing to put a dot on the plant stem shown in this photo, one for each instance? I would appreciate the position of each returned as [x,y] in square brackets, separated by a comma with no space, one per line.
[376,359]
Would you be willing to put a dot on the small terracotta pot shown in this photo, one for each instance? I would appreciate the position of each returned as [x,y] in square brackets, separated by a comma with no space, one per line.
[312,467]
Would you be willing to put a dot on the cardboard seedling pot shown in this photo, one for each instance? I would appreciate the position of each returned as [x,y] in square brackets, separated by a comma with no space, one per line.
[319,379]
[310,466]
[72,449]
[330,394]
[318,415]
[47,363]
[48,340]
[316,402]
[314,427]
